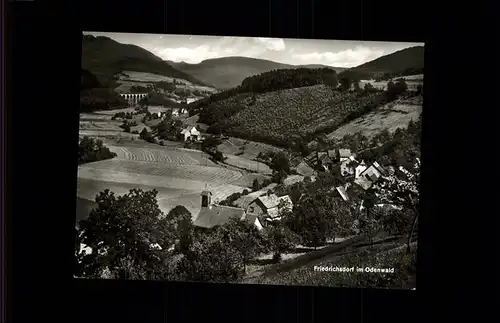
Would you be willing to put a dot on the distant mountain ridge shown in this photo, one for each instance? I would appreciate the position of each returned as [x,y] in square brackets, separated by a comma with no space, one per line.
[408,59]
[105,57]
[229,72]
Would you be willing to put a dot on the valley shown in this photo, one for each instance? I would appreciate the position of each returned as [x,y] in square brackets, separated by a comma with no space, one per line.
[321,152]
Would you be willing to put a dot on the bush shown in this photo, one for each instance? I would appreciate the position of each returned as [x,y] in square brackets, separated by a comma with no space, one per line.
[147,136]
[255,185]
[91,150]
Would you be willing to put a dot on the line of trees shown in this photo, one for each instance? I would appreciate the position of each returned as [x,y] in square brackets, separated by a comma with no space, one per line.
[130,238]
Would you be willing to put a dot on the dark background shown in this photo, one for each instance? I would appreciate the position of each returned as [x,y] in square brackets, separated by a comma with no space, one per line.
[43,66]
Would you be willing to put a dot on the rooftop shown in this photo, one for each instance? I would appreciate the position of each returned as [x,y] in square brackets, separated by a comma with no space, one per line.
[217,215]
[273,200]
[345,153]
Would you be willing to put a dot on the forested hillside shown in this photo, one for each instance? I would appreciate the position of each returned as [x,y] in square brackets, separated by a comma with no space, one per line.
[266,82]
[105,57]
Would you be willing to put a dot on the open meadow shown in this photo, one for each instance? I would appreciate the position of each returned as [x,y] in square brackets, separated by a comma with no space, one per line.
[127,79]
[178,174]
[412,81]
[390,116]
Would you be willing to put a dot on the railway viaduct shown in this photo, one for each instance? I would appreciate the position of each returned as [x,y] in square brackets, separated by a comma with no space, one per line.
[133,96]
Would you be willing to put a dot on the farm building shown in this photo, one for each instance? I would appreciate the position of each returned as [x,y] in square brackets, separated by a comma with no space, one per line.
[369,176]
[269,206]
[191,132]
[212,215]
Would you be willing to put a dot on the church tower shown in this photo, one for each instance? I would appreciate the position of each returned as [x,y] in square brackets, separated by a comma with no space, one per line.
[206,199]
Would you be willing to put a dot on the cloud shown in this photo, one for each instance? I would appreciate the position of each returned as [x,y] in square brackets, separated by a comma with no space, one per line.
[188,55]
[345,58]
[224,46]
[273,44]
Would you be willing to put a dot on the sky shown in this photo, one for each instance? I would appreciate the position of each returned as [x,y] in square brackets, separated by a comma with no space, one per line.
[194,49]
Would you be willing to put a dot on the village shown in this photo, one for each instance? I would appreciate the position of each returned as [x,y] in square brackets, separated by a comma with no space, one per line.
[214,187]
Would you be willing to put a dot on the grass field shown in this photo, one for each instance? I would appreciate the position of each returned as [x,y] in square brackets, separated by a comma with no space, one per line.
[247,164]
[411,80]
[178,174]
[391,116]
[161,155]
[249,148]
[143,79]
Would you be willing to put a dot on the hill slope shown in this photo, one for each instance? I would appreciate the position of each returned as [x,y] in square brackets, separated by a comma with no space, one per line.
[287,116]
[105,57]
[406,61]
[229,72]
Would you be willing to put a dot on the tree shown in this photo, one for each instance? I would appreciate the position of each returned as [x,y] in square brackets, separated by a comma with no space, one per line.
[218,156]
[125,126]
[244,237]
[210,143]
[179,220]
[396,89]
[369,88]
[280,162]
[147,136]
[90,150]
[280,239]
[314,220]
[345,83]
[210,259]
[402,188]
[356,86]
[255,185]
[122,230]
[279,176]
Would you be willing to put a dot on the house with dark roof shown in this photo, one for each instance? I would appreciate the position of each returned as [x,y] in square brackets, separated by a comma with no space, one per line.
[360,169]
[268,207]
[212,215]
[370,175]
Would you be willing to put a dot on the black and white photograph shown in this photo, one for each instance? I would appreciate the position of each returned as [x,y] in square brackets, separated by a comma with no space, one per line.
[249,160]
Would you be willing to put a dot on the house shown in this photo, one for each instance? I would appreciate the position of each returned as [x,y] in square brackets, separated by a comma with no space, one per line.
[369,176]
[333,154]
[191,132]
[360,169]
[347,166]
[212,215]
[179,111]
[344,154]
[269,206]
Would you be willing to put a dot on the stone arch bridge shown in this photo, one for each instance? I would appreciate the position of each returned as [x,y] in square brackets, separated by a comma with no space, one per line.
[135,97]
